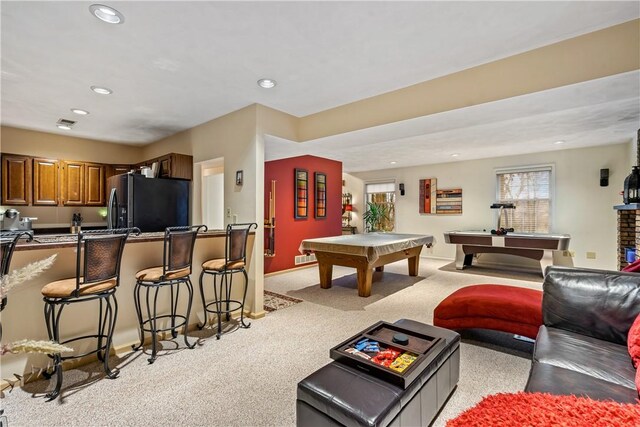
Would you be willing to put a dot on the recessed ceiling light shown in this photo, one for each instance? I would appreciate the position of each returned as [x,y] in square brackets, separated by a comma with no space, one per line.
[559,142]
[101,90]
[106,14]
[267,83]
[393,163]
[64,127]
[455,155]
[79,111]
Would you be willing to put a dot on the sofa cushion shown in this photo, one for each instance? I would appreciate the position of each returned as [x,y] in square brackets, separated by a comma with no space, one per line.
[633,341]
[586,355]
[599,303]
[634,267]
[551,379]
[500,307]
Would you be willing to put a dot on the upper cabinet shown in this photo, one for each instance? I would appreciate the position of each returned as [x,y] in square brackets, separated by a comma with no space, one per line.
[172,165]
[83,184]
[73,183]
[95,184]
[16,180]
[45,182]
[112,170]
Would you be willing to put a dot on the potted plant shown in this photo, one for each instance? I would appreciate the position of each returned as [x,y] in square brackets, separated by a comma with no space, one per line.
[375,215]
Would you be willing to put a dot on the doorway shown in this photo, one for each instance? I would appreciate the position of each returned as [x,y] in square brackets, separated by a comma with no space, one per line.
[212,191]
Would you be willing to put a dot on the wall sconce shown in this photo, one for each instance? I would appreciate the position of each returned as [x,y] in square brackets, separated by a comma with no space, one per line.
[604,177]
[238,177]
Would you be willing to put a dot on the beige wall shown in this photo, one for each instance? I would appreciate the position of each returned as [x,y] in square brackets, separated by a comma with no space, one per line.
[355,186]
[41,144]
[582,208]
[234,138]
[633,151]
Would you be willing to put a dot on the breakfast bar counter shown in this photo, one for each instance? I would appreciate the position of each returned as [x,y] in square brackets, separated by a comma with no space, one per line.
[23,315]
[57,241]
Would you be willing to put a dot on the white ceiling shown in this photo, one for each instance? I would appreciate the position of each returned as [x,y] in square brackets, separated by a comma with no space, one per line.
[598,112]
[173,65]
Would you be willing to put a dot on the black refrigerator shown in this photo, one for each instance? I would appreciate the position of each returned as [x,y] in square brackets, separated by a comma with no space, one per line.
[151,204]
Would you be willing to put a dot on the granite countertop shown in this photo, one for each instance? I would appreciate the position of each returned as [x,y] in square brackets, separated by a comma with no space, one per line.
[54,241]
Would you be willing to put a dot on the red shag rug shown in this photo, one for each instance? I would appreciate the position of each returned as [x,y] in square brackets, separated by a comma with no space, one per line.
[542,409]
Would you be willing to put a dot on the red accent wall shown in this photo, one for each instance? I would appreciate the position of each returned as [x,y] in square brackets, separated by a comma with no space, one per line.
[289,231]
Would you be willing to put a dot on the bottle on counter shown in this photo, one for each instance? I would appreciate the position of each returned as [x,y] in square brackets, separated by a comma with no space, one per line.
[76,223]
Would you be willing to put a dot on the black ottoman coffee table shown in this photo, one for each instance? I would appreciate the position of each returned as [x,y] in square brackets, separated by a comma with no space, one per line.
[340,394]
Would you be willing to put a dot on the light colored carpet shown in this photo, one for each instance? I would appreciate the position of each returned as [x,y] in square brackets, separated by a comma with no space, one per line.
[249,377]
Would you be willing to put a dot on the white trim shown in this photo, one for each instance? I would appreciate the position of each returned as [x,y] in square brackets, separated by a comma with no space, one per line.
[364,198]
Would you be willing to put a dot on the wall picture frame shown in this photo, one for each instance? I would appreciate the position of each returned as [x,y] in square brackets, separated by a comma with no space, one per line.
[301,196]
[321,194]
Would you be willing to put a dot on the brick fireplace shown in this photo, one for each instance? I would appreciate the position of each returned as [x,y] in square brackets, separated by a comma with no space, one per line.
[628,231]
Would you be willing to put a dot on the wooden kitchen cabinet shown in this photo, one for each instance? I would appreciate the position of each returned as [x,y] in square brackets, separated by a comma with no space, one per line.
[95,184]
[172,165]
[176,166]
[45,182]
[112,170]
[73,183]
[16,180]
[82,184]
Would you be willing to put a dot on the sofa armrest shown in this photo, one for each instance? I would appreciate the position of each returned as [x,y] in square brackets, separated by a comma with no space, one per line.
[598,303]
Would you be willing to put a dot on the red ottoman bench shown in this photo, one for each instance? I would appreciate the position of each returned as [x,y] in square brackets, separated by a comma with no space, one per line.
[498,307]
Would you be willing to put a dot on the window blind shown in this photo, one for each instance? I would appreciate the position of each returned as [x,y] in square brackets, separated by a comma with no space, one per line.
[382,187]
[530,192]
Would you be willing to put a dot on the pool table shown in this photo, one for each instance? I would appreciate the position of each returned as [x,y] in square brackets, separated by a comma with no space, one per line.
[365,252]
[539,247]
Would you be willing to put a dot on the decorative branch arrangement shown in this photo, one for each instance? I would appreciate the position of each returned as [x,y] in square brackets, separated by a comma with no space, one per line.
[23,274]
[8,282]
[31,346]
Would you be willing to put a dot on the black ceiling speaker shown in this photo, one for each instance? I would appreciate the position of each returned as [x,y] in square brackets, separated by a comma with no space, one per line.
[402,189]
[604,177]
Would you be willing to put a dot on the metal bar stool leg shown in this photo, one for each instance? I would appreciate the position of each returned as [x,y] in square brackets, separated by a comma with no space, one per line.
[244,298]
[113,315]
[102,320]
[154,325]
[136,300]
[186,319]
[218,304]
[205,322]
[57,357]
[174,307]
[228,283]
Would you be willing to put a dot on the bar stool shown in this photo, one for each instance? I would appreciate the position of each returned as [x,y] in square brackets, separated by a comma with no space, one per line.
[98,259]
[234,261]
[175,270]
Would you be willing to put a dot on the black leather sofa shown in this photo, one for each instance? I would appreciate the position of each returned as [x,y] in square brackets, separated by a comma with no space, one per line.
[581,348]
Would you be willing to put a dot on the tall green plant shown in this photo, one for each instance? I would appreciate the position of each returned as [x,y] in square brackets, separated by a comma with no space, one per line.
[375,215]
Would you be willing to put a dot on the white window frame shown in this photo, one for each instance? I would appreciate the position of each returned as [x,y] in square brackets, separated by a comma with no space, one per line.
[533,168]
[365,199]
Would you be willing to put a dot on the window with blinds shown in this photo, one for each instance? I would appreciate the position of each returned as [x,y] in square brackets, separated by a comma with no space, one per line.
[530,191]
[383,193]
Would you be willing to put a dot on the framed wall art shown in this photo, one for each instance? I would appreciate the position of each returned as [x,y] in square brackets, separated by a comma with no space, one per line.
[321,195]
[301,198]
